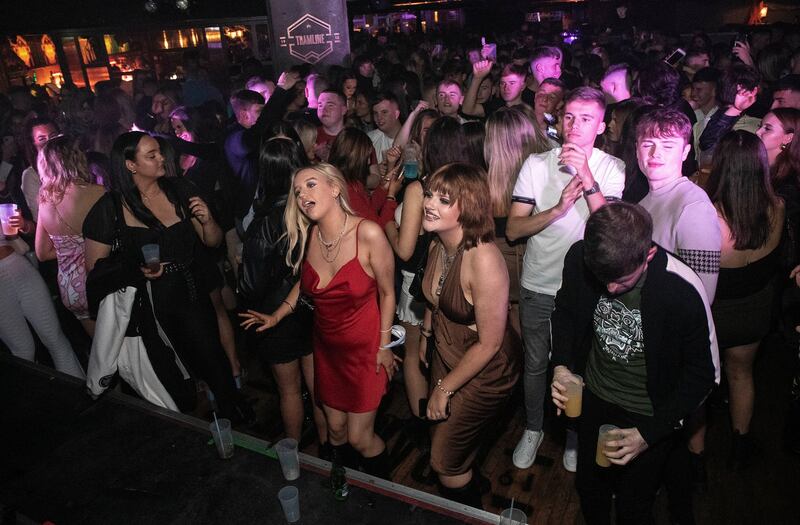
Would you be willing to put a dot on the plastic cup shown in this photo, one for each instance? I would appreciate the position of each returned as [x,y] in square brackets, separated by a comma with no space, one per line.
[287,455]
[152,256]
[574,396]
[290,501]
[223,438]
[411,169]
[604,435]
[6,212]
[513,517]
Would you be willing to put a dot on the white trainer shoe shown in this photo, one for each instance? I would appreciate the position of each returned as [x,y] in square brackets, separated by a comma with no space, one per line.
[525,453]
[570,458]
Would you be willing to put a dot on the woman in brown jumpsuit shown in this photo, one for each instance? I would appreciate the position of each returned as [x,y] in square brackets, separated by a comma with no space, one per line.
[478,357]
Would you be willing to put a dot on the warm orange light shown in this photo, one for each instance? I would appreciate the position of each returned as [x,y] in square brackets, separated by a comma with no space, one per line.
[165,42]
[763,12]
[436,16]
[181,40]
[194,38]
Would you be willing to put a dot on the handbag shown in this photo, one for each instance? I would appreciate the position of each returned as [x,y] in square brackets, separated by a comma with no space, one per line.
[415,289]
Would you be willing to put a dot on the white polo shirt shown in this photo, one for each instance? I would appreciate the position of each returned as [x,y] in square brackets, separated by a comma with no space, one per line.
[542,179]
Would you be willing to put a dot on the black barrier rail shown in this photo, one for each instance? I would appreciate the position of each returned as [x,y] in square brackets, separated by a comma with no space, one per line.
[69,459]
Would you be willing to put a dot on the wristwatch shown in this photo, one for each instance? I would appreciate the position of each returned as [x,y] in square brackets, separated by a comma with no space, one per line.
[591,191]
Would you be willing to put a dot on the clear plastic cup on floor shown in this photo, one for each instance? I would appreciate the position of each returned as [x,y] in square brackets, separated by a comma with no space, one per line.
[290,501]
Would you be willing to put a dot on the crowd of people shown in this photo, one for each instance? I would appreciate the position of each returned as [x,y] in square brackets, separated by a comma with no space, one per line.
[592,212]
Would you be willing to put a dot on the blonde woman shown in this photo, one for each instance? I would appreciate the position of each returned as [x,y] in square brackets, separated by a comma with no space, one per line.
[511,137]
[346,268]
[65,199]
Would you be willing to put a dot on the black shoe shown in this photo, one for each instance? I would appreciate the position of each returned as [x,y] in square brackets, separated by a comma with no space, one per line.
[378,466]
[469,494]
[697,463]
[325,451]
[742,452]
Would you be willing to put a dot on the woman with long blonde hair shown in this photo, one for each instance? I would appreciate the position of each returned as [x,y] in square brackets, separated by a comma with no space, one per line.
[65,198]
[346,269]
[511,137]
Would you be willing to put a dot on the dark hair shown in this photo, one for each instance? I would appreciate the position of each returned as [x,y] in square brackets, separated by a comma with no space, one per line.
[124,149]
[474,135]
[466,186]
[513,69]
[739,185]
[623,111]
[545,52]
[350,153]
[707,74]
[617,239]
[738,75]
[27,138]
[278,159]
[416,128]
[788,161]
[659,84]
[557,82]
[244,98]
[200,121]
[171,159]
[664,122]
[788,83]
[384,96]
[445,144]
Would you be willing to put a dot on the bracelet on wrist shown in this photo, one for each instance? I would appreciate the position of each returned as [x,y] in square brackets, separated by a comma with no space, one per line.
[391,198]
[425,333]
[287,303]
[448,393]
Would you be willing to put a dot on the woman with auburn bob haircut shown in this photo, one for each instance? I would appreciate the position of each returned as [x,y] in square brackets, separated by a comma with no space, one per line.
[346,268]
[477,357]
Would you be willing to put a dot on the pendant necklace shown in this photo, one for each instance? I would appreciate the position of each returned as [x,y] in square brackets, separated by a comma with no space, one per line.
[334,245]
[447,262]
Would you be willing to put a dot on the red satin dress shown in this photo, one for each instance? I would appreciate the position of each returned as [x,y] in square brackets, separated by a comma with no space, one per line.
[346,337]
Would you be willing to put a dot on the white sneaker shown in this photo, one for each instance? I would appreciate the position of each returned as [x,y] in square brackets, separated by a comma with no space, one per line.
[570,458]
[528,445]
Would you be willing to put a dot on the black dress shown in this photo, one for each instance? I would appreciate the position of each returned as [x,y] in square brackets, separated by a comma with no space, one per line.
[264,282]
[180,300]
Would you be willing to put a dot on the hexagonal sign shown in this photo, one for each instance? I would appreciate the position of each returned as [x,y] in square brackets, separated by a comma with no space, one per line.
[309,39]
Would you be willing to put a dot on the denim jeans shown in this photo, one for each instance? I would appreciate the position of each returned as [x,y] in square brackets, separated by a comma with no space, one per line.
[535,310]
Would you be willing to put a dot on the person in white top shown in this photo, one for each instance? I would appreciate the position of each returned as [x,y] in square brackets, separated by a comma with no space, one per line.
[552,199]
[386,114]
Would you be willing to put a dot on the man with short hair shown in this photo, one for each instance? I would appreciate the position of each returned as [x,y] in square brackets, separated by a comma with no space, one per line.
[787,93]
[510,88]
[386,115]
[315,85]
[704,102]
[545,63]
[617,83]
[737,90]
[685,222]
[448,99]
[554,194]
[247,106]
[652,360]
[331,109]
[547,101]
[262,86]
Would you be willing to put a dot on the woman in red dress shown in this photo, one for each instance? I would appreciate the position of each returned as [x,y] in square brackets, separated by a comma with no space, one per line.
[347,270]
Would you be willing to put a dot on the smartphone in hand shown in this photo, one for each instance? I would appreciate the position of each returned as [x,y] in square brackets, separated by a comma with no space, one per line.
[675,57]
[488,51]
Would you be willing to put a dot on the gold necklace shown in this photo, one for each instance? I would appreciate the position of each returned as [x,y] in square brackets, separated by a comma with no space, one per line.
[328,247]
[447,261]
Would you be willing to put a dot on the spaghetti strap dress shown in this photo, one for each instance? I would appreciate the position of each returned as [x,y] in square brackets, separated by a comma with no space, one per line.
[455,440]
[346,337]
[71,257]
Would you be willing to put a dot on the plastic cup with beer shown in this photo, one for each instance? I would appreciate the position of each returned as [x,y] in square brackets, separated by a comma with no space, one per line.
[604,435]
[574,395]
[7,211]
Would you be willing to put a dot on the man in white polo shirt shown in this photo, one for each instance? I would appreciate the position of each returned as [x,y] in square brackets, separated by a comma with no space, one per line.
[553,197]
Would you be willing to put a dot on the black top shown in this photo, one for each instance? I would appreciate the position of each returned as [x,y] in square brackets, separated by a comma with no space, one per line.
[177,242]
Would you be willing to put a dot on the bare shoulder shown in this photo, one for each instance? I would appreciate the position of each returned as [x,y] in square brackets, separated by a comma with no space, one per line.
[486,261]
[370,232]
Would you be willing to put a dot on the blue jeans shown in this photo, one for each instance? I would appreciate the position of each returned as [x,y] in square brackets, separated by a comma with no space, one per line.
[535,310]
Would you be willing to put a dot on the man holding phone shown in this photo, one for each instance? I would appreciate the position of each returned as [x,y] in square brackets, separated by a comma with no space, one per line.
[553,197]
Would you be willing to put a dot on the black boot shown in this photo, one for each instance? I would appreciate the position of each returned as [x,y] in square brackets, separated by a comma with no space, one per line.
[469,494]
[378,466]
[742,452]
[325,451]
[697,464]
